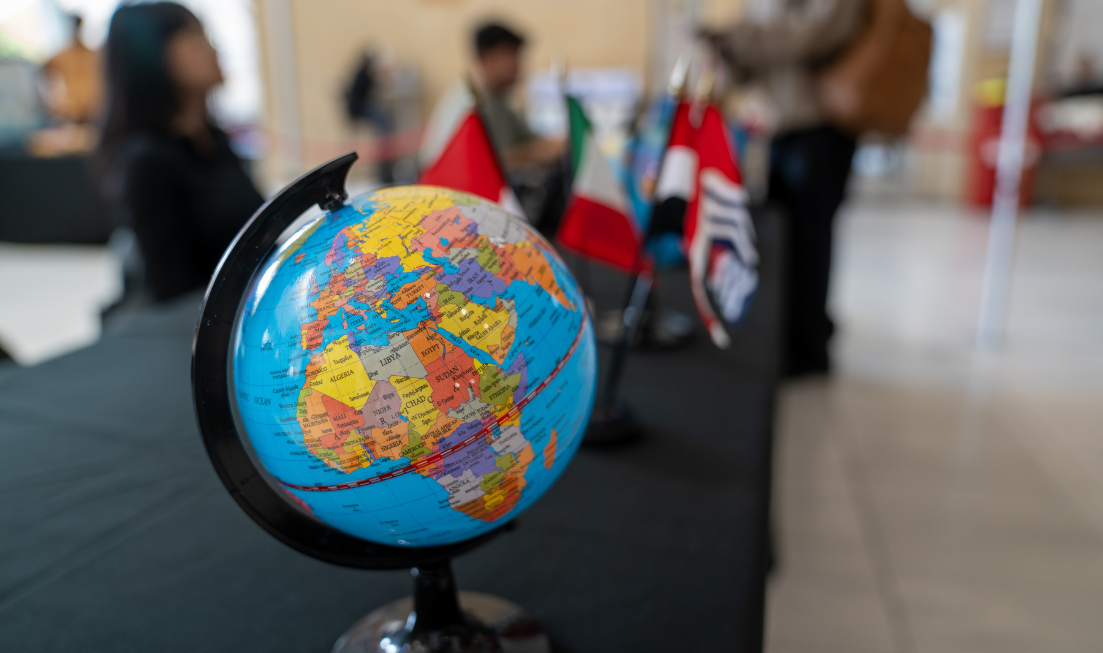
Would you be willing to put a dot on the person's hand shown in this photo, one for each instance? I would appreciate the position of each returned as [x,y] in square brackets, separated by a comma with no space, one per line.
[716,41]
[713,39]
[538,151]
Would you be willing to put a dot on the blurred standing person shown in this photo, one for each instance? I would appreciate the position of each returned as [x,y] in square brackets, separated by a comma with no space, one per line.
[781,45]
[74,81]
[534,164]
[363,104]
[169,170]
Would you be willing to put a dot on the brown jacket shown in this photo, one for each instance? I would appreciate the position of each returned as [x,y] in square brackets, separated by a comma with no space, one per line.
[77,97]
[780,44]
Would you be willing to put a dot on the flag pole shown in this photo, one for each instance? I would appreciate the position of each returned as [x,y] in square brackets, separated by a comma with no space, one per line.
[611,423]
[476,94]
[567,170]
[1009,170]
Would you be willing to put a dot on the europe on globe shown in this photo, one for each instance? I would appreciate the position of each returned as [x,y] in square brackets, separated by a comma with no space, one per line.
[414,368]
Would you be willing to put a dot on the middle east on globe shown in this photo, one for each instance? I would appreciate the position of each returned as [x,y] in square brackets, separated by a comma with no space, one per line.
[414,368]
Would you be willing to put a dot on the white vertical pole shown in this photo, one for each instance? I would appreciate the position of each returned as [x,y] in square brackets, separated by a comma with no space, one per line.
[1009,169]
[285,92]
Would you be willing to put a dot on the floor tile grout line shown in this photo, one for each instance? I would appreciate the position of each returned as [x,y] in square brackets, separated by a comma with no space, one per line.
[1044,459]
[872,532]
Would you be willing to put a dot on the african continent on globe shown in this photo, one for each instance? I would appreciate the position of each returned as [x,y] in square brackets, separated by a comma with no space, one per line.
[415,368]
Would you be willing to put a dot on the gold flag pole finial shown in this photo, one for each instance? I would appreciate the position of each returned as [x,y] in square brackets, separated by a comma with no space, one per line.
[702,93]
[706,84]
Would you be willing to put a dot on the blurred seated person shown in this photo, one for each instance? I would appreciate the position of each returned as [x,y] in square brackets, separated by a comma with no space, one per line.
[73,80]
[533,164]
[170,173]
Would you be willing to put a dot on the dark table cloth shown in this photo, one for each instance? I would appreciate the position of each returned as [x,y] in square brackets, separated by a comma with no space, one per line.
[116,535]
[51,200]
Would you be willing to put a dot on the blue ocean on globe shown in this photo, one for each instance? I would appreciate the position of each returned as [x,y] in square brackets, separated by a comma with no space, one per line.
[415,368]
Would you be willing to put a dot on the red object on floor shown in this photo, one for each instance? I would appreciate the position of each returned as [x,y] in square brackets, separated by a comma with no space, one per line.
[984,147]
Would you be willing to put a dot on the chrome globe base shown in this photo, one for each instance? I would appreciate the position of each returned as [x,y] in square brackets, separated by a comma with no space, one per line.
[438,619]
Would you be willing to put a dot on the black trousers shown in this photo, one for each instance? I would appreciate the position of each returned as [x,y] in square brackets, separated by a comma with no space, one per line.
[809,169]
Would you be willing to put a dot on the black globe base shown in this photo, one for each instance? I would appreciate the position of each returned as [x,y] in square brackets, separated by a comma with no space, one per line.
[438,619]
[611,424]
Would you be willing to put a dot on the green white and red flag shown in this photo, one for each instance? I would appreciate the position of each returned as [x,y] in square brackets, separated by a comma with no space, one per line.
[598,223]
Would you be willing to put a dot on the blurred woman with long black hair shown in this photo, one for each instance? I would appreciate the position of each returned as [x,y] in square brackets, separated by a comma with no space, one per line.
[169,170]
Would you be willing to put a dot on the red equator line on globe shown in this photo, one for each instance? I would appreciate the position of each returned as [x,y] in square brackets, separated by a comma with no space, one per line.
[472,439]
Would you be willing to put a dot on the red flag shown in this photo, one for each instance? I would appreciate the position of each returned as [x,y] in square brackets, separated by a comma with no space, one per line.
[597,223]
[719,235]
[468,164]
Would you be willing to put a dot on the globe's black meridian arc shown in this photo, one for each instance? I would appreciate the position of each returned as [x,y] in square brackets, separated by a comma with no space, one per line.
[325,186]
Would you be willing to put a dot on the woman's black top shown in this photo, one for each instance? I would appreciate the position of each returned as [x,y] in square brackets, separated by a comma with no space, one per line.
[185,206]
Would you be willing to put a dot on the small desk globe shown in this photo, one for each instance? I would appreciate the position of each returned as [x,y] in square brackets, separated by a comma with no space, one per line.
[387,382]
[415,368]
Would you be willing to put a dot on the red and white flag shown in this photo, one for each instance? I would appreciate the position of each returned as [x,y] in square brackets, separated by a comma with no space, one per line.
[597,223]
[719,234]
[468,163]
[677,180]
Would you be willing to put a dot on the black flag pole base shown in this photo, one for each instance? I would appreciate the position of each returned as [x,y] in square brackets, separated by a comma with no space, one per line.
[611,422]
[611,425]
[438,619]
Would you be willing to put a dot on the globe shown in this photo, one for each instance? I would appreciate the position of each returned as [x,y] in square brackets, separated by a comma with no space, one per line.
[413,368]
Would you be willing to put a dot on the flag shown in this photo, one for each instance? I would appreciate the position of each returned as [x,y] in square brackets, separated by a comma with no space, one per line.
[719,235]
[468,163]
[597,223]
[677,174]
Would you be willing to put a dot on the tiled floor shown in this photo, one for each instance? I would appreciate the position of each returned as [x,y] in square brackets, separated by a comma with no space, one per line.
[930,498]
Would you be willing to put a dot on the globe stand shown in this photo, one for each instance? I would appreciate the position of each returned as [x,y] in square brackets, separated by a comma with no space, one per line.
[438,618]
